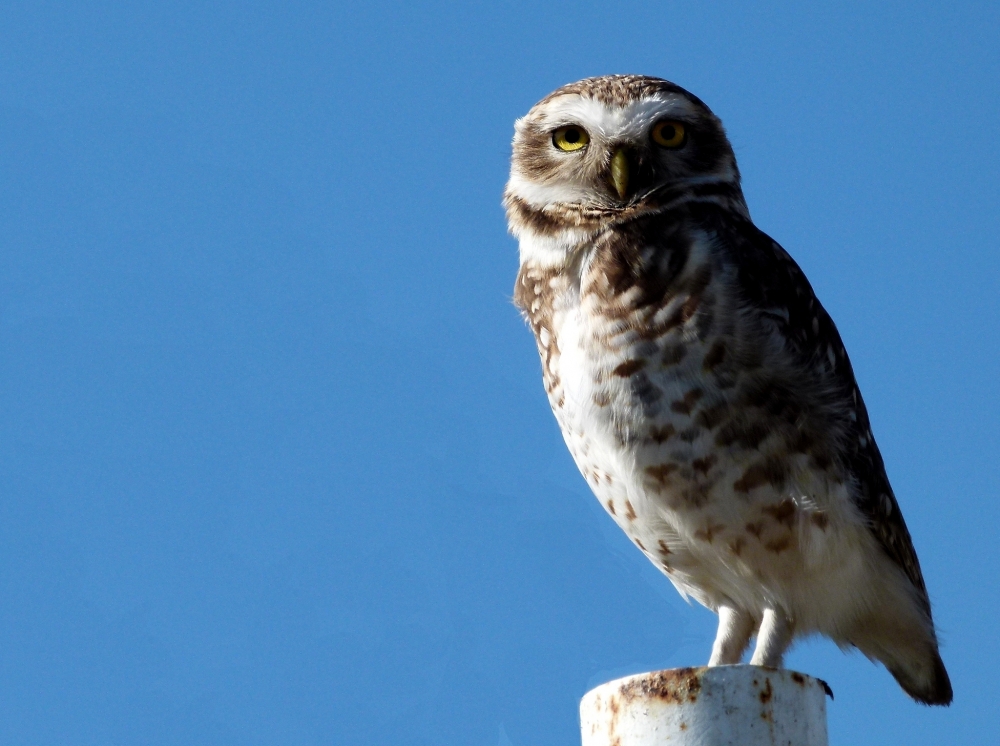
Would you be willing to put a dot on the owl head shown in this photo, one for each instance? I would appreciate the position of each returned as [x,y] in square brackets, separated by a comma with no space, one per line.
[618,145]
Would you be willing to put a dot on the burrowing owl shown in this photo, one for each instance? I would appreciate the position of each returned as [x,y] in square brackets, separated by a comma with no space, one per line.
[703,391]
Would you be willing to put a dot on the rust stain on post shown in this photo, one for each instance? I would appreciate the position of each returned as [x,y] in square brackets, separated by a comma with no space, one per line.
[765,696]
[677,685]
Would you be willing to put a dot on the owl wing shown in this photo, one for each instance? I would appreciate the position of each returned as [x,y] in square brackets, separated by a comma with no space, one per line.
[772,282]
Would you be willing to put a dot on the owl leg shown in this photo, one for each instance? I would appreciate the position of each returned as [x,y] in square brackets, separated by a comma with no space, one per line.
[773,639]
[735,628]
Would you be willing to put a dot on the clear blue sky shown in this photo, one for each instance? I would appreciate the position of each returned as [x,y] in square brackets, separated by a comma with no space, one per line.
[276,462]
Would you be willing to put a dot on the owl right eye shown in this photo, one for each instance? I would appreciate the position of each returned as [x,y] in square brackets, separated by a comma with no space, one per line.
[570,138]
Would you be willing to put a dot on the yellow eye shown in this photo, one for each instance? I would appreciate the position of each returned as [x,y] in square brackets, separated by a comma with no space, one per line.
[570,138]
[669,134]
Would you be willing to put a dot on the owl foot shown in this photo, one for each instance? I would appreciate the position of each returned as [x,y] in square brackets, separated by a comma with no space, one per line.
[735,628]
[773,638]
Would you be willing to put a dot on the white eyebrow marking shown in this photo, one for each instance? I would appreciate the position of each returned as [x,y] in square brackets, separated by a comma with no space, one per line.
[631,122]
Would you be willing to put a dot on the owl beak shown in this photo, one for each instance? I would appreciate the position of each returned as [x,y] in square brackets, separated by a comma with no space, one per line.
[619,172]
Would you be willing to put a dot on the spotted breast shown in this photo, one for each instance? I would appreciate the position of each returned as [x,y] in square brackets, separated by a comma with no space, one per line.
[676,406]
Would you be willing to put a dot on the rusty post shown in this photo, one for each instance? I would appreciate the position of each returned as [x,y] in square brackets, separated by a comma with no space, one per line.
[720,706]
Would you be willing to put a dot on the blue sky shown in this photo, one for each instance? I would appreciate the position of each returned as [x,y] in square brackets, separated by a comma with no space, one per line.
[277,465]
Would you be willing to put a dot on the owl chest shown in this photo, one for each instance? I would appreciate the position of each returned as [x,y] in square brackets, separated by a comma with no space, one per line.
[665,409]
[629,391]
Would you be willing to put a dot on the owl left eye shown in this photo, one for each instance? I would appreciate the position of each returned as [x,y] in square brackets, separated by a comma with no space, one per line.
[669,134]
[570,138]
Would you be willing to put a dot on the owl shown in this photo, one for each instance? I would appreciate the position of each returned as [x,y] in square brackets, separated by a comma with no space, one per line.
[703,391]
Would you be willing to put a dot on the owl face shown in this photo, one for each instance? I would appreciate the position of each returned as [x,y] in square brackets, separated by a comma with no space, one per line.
[616,143]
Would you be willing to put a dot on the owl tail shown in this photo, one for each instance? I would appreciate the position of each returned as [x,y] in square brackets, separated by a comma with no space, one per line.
[900,634]
[927,682]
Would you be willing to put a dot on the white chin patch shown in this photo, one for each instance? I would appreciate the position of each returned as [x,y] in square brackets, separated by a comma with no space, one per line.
[540,195]
[549,251]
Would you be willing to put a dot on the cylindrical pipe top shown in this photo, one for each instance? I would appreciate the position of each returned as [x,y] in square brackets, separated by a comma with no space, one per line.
[720,706]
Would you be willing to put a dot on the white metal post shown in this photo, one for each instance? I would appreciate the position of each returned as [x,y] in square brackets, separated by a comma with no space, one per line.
[720,706]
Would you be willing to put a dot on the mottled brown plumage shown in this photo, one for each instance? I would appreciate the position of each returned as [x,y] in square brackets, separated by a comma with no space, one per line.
[702,389]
